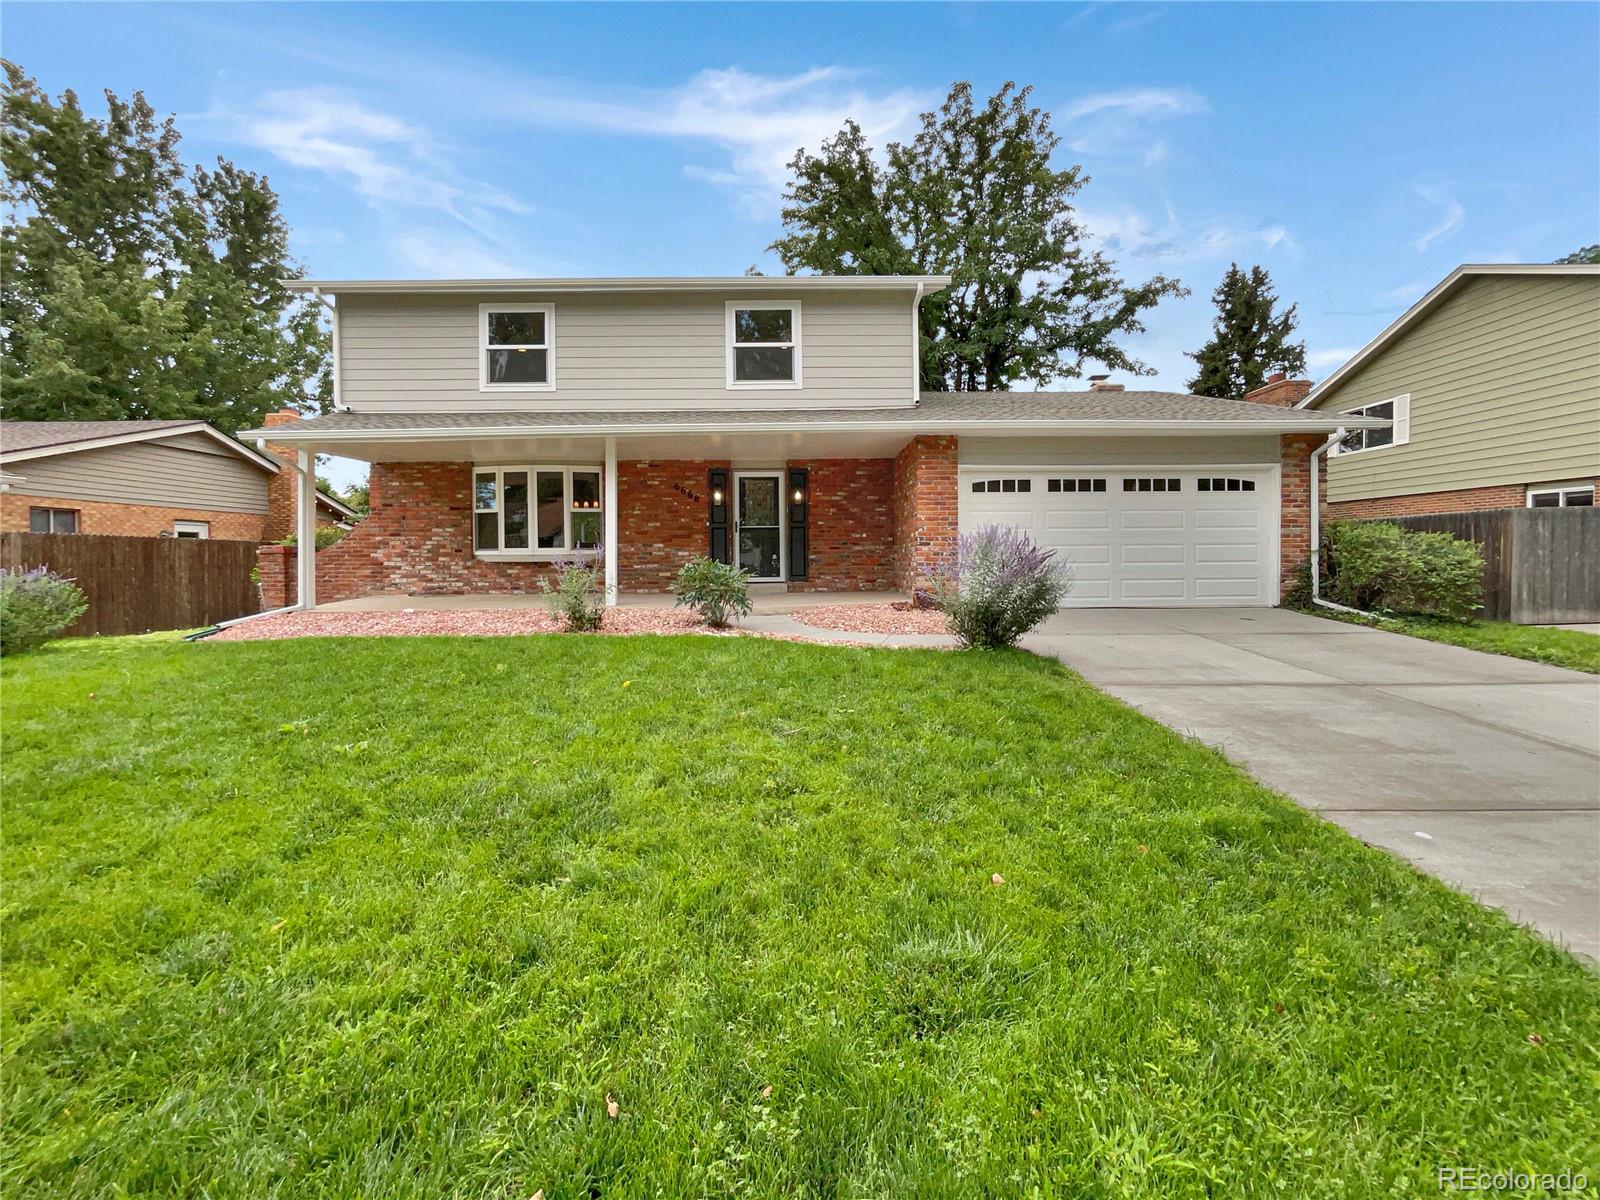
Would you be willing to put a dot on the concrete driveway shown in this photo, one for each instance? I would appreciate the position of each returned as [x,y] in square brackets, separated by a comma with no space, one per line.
[1483,770]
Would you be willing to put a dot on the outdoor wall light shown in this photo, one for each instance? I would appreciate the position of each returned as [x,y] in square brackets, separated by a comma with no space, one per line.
[716,495]
[799,496]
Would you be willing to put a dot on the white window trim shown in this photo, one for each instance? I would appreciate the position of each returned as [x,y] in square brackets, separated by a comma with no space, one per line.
[1558,489]
[201,529]
[1401,427]
[793,307]
[549,347]
[533,553]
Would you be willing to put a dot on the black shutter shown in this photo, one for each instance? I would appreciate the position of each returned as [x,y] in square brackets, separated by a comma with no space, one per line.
[799,500]
[717,525]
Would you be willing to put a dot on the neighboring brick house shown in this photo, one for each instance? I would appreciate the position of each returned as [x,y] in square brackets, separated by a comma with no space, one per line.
[1492,381]
[772,422]
[146,479]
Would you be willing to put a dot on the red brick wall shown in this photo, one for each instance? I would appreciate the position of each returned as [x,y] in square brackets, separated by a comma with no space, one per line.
[1509,495]
[130,520]
[924,509]
[850,525]
[1280,392]
[663,510]
[1295,501]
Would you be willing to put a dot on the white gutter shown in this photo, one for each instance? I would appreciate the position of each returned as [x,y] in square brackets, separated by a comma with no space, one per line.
[338,405]
[1316,529]
[287,433]
[732,284]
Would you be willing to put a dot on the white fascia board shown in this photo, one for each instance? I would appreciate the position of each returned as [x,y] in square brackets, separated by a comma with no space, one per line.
[702,283]
[910,429]
[1445,286]
[146,435]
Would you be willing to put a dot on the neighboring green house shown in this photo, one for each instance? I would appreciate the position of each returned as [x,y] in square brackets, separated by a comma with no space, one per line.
[1492,381]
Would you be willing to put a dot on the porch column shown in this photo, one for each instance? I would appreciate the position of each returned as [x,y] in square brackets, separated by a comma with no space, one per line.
[609,518]
[305,529]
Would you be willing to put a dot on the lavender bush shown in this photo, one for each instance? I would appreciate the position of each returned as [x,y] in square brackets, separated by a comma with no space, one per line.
[999,585]
[36,606]
[578,594]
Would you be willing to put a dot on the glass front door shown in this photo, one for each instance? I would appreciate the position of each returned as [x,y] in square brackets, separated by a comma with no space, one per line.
[758,525]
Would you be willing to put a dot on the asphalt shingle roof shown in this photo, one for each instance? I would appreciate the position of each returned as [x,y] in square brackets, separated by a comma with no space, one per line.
[32,435]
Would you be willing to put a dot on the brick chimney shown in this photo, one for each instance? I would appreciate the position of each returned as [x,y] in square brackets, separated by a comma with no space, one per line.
[281,499]
[1279,390]
[1102,383]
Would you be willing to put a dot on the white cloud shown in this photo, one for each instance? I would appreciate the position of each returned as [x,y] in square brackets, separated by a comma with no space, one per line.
[388,161]
[1330,358]
[758,120]
[433,255]
[1144,103]
[1130,234]
[1454,214]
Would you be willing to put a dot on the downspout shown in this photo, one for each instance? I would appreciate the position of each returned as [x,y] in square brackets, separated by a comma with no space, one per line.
[916,346]
[338,404]
[1316,527]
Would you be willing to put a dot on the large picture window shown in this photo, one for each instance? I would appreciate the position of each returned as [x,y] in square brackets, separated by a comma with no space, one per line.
[516,347]
[535,511]
[763,345]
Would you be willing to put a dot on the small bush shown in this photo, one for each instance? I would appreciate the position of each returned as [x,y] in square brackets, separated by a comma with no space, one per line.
[36,606]
[327,535]
[999,585]
[714,590]
[577,596]
[1382,568]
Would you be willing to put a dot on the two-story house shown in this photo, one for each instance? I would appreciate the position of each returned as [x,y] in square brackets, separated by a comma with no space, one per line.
[1492,381]
[772,422]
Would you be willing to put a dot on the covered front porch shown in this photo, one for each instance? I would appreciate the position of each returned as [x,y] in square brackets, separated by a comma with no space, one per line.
[477,518]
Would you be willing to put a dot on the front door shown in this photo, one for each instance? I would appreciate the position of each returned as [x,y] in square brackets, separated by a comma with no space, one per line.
[758,524]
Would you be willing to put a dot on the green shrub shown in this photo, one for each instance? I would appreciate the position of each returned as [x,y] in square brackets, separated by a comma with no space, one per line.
[1382,568]
[36,606]
[327,535]
[577,597]
[715,590]
[999,585]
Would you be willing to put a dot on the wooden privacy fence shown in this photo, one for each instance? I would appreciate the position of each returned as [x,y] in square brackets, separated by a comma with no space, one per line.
[1541,566]
[138,584]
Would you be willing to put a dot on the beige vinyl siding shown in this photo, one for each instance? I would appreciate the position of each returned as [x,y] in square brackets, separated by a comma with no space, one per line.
[1117,451]
[178,472]
[622,352]
[1504,379]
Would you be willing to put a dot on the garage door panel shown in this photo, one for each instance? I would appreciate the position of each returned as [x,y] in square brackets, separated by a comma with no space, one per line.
[1170,547]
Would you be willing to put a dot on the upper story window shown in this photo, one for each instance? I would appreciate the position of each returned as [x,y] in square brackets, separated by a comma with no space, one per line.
[1397,410]
[516,347]
[763,345]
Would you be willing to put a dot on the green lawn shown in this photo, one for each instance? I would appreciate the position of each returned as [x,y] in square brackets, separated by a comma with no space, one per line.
[394,918]
[1569,648]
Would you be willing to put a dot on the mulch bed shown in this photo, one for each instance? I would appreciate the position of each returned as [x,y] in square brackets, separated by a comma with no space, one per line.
[899,617]
[471,623]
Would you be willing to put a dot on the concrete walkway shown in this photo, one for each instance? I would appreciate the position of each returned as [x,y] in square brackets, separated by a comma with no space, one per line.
[1481,769]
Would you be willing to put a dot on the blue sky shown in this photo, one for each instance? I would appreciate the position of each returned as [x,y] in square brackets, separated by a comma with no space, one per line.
[1358,151]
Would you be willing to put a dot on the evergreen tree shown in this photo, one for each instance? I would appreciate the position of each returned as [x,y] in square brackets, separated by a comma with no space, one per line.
[1248,340]
[132,288]
[1584,254]
[972,195]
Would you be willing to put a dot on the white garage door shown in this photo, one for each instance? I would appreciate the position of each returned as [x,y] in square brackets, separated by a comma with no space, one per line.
[1141,537]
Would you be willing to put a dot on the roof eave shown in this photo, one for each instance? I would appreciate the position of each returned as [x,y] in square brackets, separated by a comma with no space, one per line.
[310,434]
[145,435]
[721,283]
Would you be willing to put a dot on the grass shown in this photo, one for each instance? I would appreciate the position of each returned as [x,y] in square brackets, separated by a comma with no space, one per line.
[395,918]
[1569,648]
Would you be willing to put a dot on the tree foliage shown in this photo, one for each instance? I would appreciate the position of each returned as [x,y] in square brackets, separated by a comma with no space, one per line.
[973,195]
[135,288]
[1249,338]
[1584,254]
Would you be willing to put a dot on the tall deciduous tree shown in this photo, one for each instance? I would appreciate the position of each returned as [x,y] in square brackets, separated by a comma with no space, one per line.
[1249,339]
[973,195]
[131,287]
